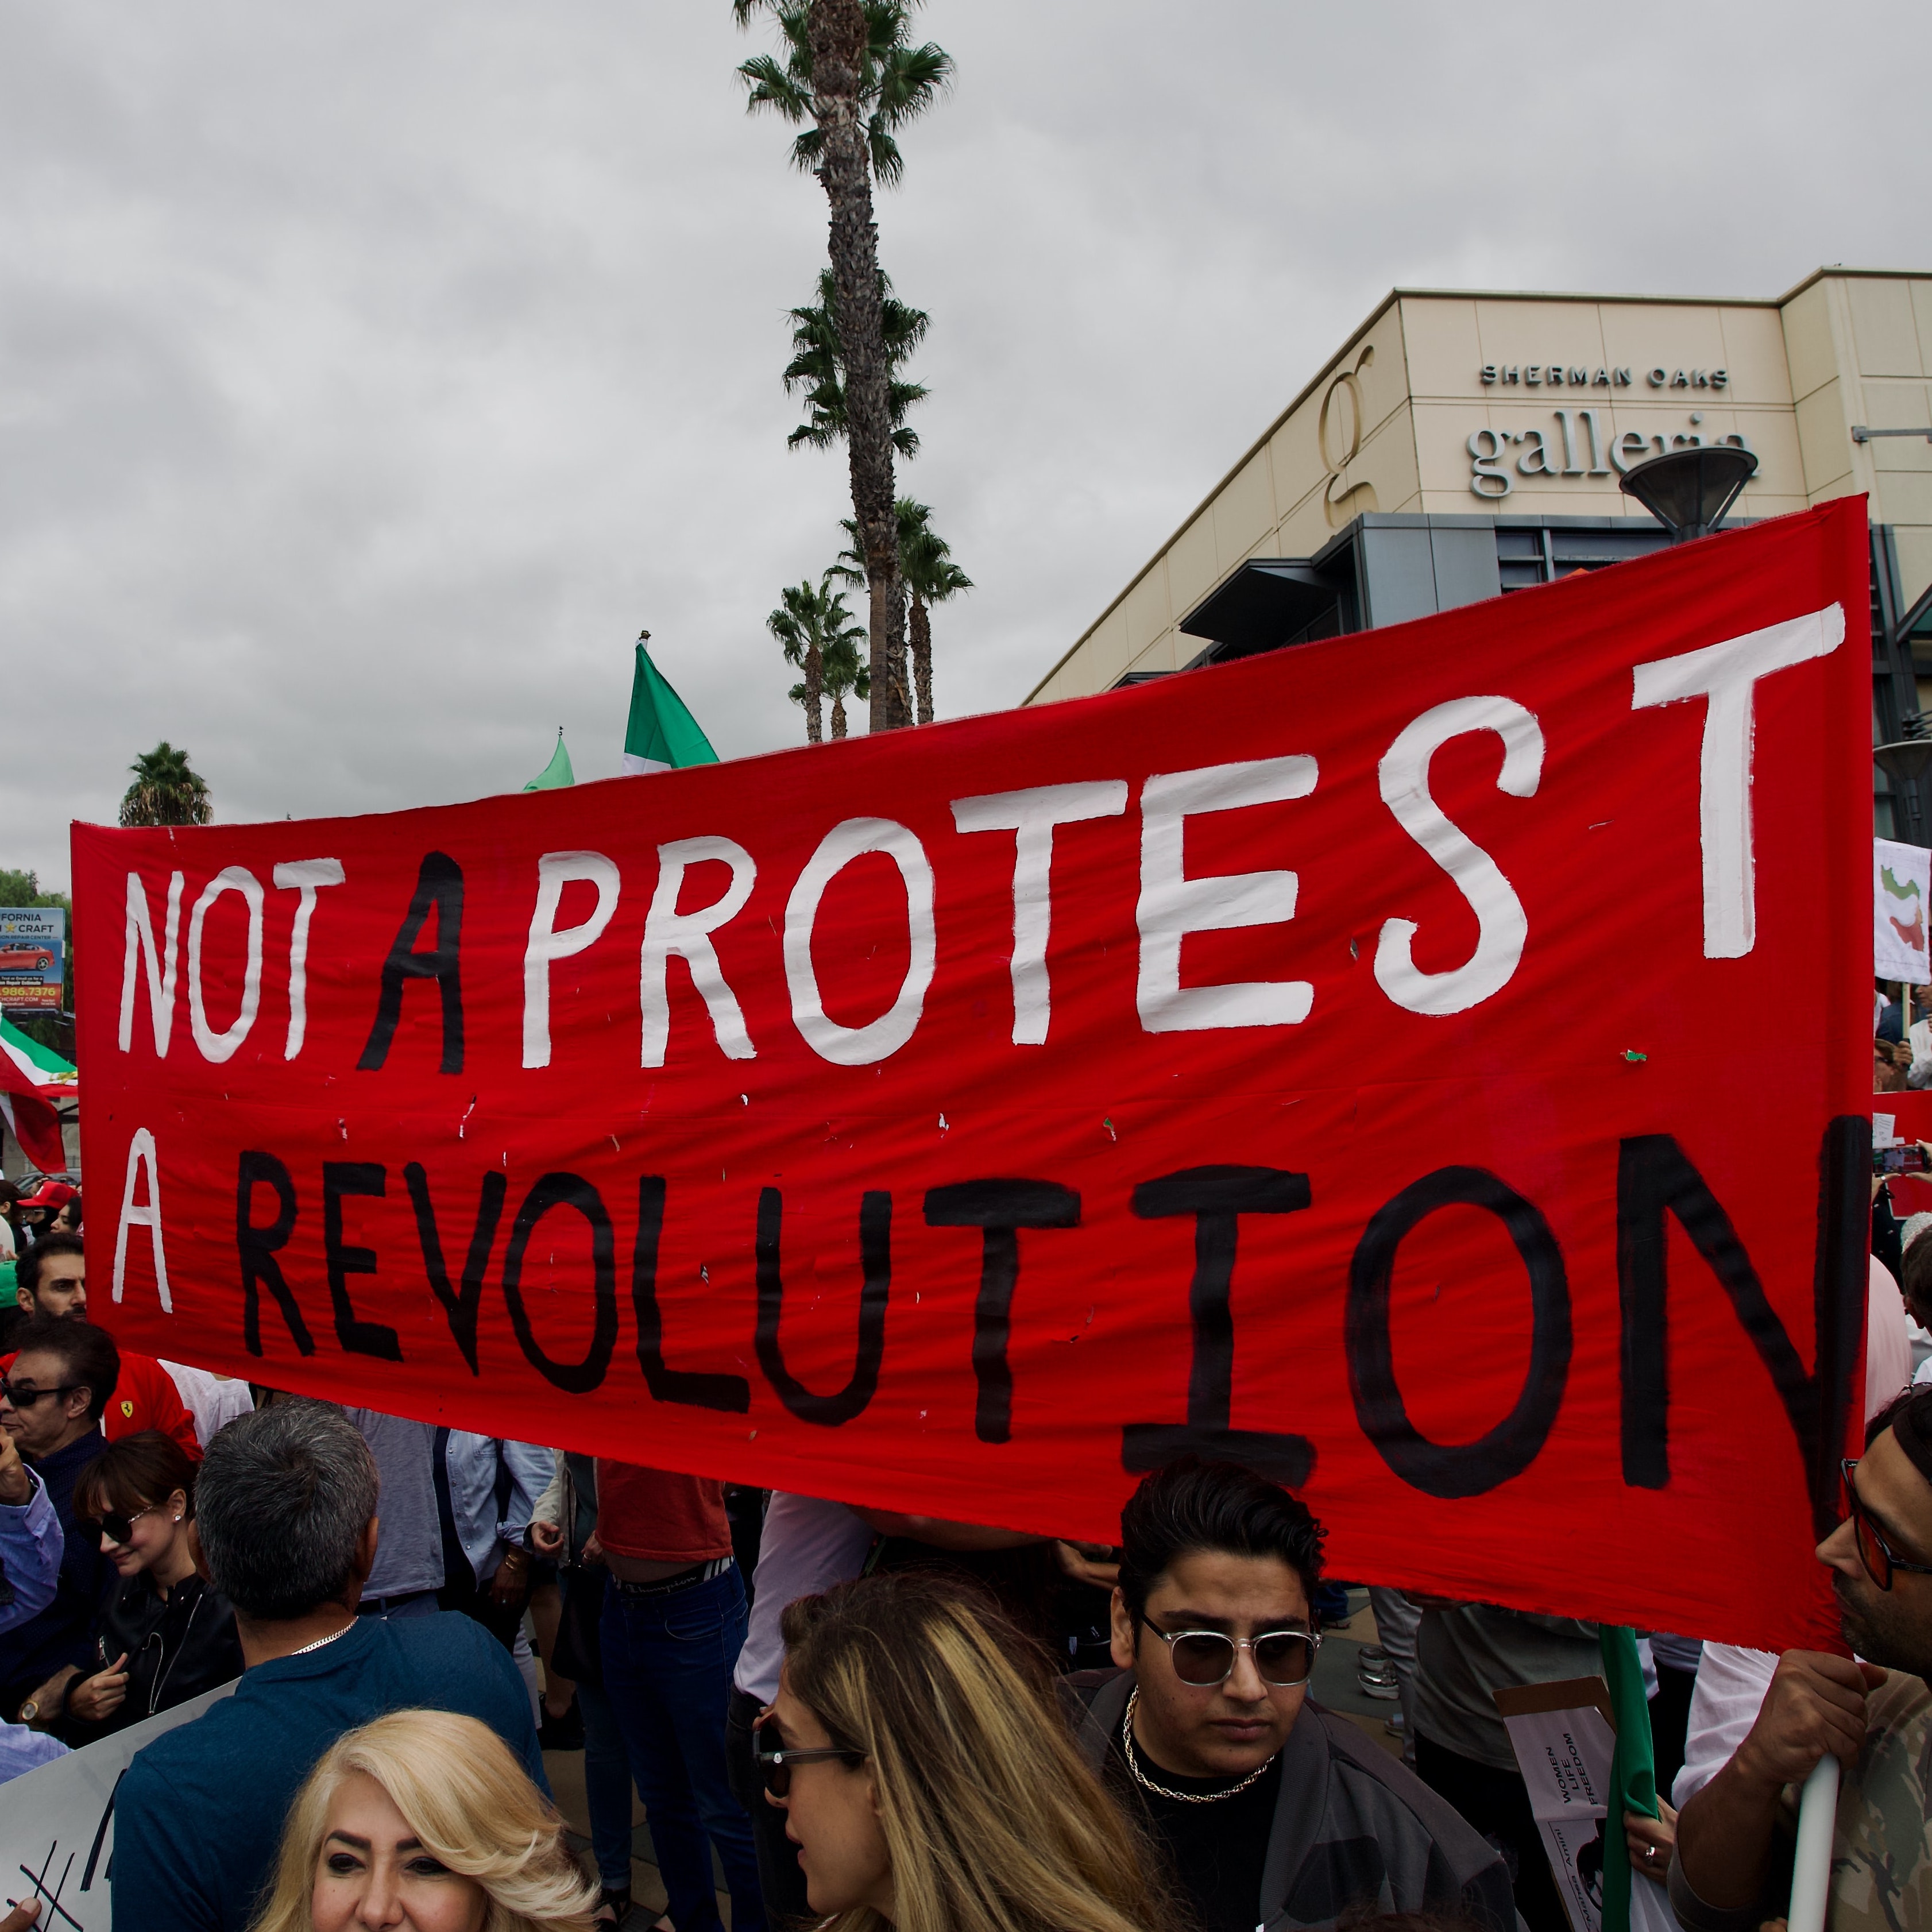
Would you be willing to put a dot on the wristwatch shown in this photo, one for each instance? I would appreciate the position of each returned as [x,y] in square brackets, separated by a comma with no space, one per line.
[28,1712]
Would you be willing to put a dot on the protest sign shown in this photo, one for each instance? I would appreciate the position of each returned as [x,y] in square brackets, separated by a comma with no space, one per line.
[1563,1740]
[1329,1059]
[57,1824]
[1901,885]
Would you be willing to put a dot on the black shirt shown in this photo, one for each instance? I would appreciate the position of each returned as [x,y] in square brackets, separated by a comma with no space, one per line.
[177,1647]
[1214,1852]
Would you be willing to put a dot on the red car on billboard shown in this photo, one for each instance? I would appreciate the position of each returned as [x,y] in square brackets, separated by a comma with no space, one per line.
[25,962]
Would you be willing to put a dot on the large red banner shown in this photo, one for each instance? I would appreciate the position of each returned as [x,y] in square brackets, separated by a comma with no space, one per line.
[1427,1065]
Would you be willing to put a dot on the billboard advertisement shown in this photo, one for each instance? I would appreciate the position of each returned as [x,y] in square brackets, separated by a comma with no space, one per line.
[33,956]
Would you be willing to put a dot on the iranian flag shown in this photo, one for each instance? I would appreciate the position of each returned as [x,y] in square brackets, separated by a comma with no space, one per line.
[32,1077]
[662,736]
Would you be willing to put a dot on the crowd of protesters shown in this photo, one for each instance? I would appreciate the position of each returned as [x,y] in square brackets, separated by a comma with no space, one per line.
[839,1716]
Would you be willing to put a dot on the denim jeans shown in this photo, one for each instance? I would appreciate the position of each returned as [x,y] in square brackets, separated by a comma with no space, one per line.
[607,1787]
[667,1662]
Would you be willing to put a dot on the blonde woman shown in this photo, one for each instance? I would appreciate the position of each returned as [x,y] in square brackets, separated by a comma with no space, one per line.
[928,1778]
[424,1822]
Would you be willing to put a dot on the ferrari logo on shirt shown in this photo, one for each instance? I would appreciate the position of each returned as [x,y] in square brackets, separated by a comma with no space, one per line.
[127,1409]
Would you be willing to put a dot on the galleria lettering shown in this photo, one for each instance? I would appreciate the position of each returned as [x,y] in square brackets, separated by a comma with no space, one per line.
[1560,454]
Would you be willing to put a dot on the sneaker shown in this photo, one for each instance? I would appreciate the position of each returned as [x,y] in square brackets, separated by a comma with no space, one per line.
[1375,1673]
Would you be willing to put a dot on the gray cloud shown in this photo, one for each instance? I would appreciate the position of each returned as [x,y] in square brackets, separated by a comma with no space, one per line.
[367,376]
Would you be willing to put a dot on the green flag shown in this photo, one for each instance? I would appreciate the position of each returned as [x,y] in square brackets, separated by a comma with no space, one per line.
[557,772]
[662,736]
[39,1063]
[1633,1768]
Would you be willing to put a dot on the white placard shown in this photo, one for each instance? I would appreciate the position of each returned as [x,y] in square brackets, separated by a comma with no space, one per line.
[1901,891]
[1564,1756]
[57,1824]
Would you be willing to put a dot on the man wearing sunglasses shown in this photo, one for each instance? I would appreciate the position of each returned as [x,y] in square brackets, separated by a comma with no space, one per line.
[1273,1812]
[1732,1870]
[53,1281]
[51,1395]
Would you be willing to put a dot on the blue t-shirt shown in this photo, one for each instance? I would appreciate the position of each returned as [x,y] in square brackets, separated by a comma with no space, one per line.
[198,1818]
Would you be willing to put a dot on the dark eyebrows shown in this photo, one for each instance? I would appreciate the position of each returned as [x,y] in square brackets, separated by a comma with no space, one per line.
[350,1839]
[1178,1621]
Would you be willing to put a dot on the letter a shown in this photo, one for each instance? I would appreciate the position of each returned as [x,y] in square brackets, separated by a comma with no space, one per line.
[140,1154]
[439,889]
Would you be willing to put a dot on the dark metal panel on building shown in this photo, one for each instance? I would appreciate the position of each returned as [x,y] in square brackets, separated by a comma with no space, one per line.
[1386,568]
[1466,567]
[1395,572]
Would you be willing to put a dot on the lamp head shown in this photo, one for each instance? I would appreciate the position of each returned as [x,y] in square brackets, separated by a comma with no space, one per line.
[1690,491]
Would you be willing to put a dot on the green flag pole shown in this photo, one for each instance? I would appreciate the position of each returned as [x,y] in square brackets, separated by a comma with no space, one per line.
[1633,1767]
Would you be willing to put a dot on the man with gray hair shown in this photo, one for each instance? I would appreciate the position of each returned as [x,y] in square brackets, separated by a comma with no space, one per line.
[285,1514]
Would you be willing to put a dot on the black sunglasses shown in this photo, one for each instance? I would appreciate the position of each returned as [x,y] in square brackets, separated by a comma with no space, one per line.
[25,1398]
[1284,1658]
[1874,1552]
[775,1766]
[116,1527]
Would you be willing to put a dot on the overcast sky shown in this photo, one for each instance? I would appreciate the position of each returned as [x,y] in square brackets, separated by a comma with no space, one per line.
[370,374]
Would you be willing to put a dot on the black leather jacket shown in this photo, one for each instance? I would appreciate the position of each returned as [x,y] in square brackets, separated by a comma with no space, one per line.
[176,1649]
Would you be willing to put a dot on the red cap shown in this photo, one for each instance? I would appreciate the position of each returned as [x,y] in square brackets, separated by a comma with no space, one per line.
[51,1194]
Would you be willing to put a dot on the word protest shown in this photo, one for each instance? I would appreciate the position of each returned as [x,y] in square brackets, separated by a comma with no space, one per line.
[1330,1061]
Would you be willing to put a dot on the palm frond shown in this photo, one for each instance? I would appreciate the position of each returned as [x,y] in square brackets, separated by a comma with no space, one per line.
[769,84]
[908,81]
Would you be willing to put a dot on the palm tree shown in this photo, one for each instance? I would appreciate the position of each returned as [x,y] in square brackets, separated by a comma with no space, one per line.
[849,69]
[845,670]
[811,623]
[166,790]
[817,367]
[930,576]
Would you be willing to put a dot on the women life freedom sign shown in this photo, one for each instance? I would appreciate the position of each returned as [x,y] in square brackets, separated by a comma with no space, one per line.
[1327,1060]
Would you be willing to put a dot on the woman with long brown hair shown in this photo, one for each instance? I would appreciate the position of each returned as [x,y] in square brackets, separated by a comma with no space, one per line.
[928,1777]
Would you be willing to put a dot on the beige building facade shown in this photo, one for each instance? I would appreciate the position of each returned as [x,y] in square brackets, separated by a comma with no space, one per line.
[1526,408]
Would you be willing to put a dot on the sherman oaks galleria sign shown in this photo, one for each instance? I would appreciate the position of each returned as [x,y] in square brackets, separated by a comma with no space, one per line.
[1283,1062]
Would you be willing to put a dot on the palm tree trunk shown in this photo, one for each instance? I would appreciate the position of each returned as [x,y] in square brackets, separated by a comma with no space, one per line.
[838,714]
[922,656]
[814,694]
[838,33]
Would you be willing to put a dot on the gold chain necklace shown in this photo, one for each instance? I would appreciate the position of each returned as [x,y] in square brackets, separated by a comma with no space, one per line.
[1147,1783]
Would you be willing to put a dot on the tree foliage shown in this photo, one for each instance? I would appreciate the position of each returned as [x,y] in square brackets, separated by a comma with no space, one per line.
[166,790]
[930,575]
[848,76]
[815,631]
[897,81]
[818,366]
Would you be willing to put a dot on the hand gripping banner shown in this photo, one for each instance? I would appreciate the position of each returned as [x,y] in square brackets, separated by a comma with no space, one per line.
[1426,1066]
